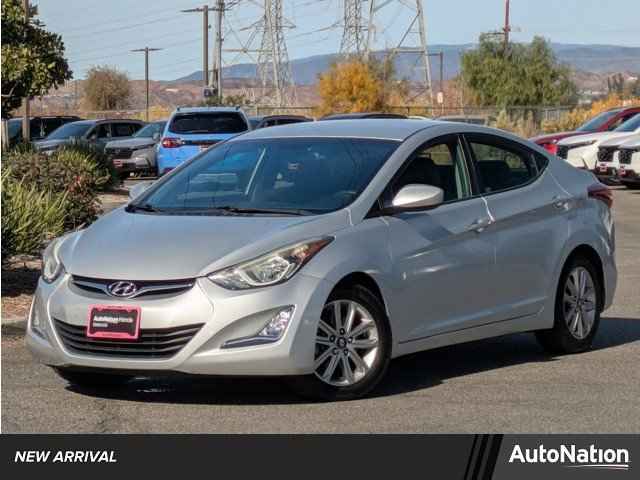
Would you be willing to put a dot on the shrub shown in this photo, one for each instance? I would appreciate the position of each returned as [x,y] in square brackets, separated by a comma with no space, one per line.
[29,217]
[73,170]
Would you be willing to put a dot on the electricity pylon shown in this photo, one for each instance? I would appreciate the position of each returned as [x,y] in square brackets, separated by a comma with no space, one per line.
[353,39]
[413,39]
[274,69]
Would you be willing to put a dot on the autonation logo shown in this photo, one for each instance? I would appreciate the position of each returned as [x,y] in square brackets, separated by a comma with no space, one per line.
[573,457]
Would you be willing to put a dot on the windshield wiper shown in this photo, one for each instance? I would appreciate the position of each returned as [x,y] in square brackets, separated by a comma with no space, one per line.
[279,211]
[145,207]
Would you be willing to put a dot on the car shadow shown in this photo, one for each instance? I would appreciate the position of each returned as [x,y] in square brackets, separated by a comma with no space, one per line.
[407,374]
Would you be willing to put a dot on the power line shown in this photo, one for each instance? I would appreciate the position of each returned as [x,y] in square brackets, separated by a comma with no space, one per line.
[125,27]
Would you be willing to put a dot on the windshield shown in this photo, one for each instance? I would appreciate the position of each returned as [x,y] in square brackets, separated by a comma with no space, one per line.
[150,130]
[208,122]
[630,125]
[285,175]
[73,129]
[598,121]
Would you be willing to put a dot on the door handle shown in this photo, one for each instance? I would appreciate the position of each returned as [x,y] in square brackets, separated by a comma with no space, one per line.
[480,224]
[560,202]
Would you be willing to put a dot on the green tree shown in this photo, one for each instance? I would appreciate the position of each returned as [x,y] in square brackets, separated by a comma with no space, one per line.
[107,88]
[526,74]
[32,58]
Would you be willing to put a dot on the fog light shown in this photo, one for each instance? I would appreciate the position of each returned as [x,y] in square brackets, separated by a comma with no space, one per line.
[270,333]
[37,323]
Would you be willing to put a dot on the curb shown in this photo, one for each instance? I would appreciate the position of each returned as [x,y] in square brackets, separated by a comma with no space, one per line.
[14,328]
[12,320]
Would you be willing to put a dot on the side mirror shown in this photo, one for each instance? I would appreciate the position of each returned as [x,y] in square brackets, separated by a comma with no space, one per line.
[138,189]
[417,197]
[156,137]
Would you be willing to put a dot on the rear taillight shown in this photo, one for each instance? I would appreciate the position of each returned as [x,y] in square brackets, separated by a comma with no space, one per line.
[169,142]
[551,148]
[601,192]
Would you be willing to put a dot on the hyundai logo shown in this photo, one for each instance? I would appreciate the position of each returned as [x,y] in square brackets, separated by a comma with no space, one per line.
[122,289]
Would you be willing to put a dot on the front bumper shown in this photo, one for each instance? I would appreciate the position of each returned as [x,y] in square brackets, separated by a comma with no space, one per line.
[139,161]
[225,315]
[629,176]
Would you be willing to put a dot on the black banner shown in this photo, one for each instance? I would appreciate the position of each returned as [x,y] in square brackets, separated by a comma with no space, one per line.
[465,457]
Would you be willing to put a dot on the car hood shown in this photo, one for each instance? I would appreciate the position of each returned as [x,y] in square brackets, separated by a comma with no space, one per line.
[134,143]
[554,137]
[138,246]
[618,141]
[631,144]
[597,137]
[49,144]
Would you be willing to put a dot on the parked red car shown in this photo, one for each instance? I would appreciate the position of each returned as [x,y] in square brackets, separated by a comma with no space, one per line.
[604,122]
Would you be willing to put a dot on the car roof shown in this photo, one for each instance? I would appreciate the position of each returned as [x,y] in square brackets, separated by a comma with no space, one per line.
[206,109]
[389,129]
[283,116]
[362,115]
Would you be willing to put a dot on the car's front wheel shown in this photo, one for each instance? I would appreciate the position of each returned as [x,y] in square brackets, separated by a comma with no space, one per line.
[577,309]
[352,347]
[87,379]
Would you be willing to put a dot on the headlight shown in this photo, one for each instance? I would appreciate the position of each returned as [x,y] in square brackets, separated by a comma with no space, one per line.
[51,265]
[270,269]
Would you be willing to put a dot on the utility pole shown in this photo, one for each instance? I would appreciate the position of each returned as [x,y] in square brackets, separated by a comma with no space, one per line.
[146,51]
[507,26]
[216,74]
[205,40]
[26,120]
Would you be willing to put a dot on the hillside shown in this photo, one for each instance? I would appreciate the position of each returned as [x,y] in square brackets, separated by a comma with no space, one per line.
[596,59]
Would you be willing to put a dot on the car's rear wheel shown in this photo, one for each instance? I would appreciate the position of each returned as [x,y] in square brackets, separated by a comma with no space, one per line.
[577,309]
[352,347]
[89,379]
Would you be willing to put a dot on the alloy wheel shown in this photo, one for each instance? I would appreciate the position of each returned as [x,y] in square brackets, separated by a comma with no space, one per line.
[347,343]
[579,303]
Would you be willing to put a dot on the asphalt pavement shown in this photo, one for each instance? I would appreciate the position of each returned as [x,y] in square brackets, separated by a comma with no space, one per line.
[506,385]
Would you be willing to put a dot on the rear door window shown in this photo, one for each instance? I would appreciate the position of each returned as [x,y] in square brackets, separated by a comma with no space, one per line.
[501,164]
[208,123]
[122,129]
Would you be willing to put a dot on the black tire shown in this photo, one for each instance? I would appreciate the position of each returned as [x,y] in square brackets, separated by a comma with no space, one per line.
[313,388]
[559,339]
[92,379]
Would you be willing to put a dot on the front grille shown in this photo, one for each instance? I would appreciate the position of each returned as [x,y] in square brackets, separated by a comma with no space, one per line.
[118,152]
[625,156]
[605,154]
[144,288]
[152,343]
[563,151]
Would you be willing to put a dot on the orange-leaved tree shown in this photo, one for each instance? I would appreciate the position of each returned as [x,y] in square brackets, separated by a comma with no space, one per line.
[352,86]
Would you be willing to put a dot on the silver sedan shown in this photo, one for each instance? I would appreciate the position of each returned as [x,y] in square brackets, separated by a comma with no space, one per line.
[321,251]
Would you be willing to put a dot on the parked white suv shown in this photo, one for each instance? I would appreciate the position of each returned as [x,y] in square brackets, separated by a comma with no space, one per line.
[582,151]
[608,164]
[629,157]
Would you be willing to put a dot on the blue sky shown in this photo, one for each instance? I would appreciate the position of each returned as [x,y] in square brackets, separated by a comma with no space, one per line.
[102,32]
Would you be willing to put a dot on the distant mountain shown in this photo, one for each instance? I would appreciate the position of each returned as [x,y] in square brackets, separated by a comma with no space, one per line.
[600,59]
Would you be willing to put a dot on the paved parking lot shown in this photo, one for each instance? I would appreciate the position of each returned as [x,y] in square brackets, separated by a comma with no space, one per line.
[506,385]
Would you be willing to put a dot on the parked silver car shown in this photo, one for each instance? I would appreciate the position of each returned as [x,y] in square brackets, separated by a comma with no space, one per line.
[320,251]
[137,154]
